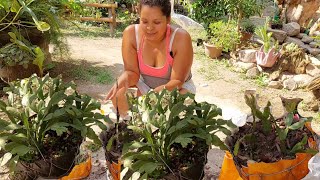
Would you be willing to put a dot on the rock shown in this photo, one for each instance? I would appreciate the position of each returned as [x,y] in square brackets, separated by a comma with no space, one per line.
[185,22]
[214,161]
[244,66]
[307,39]
[312,104]
[315,61]
[292,29]
[300,35]
[295,41]
[248,55]
[290,84]
[278,34]
[302,79]
[314,44]
[286,75]
[275,84]
[312,70]
[123,6]
[252,73]
[314,51]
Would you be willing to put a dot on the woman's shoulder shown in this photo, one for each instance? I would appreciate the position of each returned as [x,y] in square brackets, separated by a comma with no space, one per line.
[129,29]
[180,32]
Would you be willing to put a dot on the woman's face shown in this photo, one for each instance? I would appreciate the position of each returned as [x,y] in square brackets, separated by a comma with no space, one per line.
[153,23]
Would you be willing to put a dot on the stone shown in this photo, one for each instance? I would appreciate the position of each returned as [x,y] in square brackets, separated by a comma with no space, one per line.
[300,35]
[278,34]
[292,29]
[248,55]
[252,73]
[302,80]
[314,51]
[314,44]
[307,39]
[286,75]
[315,61]
[244,66]
[275,85]
[312,70]
[290,84]
[295,41]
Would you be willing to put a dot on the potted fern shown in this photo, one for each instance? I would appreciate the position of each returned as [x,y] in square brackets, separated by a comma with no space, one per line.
[44,123]
[175,133]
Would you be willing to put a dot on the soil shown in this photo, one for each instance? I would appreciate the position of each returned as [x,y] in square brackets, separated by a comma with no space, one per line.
[265,146]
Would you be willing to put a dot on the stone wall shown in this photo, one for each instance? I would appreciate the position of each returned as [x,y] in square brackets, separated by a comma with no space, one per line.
[301,11]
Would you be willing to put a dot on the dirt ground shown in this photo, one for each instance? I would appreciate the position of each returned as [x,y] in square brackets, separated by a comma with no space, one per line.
[226,91]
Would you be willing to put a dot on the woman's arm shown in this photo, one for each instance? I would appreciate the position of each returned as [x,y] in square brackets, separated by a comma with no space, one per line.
[183,58]
[131,74]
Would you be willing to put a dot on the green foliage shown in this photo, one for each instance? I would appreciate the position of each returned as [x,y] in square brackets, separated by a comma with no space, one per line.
[224,35]
[21,52]
[38,108]
[270,124]
[248,26]
[169,120]
[265,36]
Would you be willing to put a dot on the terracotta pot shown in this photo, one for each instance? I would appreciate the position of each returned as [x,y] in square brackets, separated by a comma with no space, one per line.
[245,36]
[212,51]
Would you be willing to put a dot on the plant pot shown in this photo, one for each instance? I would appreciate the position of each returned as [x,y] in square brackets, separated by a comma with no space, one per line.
[284,169]
[80,171]
[48,168]
[245,36]
[267,59]
[212,51]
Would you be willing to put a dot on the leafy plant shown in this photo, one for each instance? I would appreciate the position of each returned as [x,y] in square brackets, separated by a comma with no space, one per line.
[40,110]
[281,128]
[169,124]
[248,26]
[21,52]
[224,35]
[265,36]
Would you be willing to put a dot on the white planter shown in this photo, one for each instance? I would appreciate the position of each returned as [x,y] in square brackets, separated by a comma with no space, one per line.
[267,59]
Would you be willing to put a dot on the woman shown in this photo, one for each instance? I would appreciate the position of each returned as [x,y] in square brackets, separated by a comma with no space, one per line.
[155,55]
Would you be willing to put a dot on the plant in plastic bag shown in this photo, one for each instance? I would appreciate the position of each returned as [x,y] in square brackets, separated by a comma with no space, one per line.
[267,139]
[175,131]
[41,113]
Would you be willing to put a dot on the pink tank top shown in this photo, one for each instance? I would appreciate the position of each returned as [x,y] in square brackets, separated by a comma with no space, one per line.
[156,76]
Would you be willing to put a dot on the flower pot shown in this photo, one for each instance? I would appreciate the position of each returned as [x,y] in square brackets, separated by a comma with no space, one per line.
[284,169]
[11,73]
[267,59]
[245,36]
[212,51]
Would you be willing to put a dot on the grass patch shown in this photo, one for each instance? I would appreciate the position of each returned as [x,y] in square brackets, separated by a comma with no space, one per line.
[93,74]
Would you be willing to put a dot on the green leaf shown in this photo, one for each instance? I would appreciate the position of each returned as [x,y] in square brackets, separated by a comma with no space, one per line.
[148,167]
[15,6]
[20,150]
[300,145]
[289,119]
[92,135]
[5,158]
[39,57]
[236,147]
[110,142]
[297,125]
[183,139]
[13,112]
[59,127]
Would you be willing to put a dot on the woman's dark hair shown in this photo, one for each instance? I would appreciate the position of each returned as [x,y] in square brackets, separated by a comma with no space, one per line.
[164,5]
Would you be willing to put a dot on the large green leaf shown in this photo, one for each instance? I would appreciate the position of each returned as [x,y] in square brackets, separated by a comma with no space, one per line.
[183,139]
[20,150]
[39,58]
[92,135]
[148,167]
[59,127]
